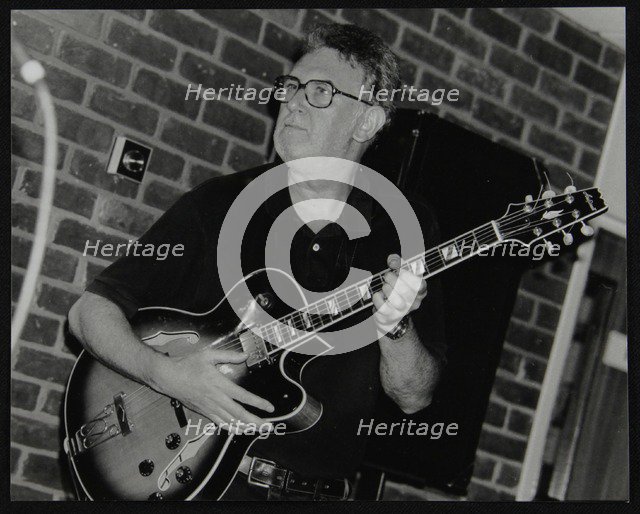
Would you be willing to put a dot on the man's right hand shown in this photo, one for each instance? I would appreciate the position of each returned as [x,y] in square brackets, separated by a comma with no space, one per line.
[196,381]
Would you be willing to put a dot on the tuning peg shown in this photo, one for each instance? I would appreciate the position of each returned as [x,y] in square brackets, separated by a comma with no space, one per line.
[567,238]
[550,246]
[547,197]
[586,229]
[527,200]
[569,190]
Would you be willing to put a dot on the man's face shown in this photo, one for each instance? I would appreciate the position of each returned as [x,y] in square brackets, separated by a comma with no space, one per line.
[306,131]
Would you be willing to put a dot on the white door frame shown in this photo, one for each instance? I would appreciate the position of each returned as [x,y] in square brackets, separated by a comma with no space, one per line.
[532,463]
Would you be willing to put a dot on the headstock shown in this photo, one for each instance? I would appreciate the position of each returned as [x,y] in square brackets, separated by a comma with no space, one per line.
[534,220]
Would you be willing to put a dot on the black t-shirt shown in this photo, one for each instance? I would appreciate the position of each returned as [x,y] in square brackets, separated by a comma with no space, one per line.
[348,384]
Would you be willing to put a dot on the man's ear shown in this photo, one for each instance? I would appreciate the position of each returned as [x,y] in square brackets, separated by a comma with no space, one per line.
[371,121]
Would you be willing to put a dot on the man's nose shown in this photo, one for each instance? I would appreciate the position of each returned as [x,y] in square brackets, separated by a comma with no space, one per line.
[299,101]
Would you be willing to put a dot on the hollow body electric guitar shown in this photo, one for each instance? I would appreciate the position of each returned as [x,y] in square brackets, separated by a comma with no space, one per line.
[127,441]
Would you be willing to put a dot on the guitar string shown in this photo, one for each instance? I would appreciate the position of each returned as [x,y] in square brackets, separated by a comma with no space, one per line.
[297,319]
[352,303]
[428,263]
[523,214]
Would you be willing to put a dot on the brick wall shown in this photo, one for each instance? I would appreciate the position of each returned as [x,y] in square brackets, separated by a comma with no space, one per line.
[528,78]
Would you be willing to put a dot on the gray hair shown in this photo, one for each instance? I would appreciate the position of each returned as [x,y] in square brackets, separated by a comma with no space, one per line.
[364,48]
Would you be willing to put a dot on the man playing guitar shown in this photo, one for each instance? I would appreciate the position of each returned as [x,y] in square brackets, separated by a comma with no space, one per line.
[320,115]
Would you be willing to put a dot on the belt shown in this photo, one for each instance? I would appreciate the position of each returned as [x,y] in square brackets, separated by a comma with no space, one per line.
[283,482]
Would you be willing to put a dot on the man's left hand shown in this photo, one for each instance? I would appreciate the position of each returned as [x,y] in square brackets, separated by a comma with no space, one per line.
[401,294]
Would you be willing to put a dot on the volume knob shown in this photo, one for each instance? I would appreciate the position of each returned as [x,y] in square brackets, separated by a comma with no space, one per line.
[183,474]
[146,467]
[172,441]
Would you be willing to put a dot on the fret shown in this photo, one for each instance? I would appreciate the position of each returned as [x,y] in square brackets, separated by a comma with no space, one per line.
[297,321]
[277,333]
[486,235]
[292,330]
[265,337]
[467,244]
[286,332]
[352,296]
[335,305]
[332,306]
[325,317]
[459,246]
[358,299]
[436,261]
[478,238]
[305,318]
[344,309]
[376,283]
[323,309]
[351,300]
[417,267]
[312,319]
[318,321]
[449,252]
[316,315]
[495,231]
[302,322]
[412,267]
[271,335]
[365,292]
[423,260]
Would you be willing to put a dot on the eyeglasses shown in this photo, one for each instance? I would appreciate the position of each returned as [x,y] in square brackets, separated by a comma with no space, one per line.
[319,93]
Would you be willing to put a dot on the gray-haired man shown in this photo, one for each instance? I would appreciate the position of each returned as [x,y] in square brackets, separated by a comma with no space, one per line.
[320,116]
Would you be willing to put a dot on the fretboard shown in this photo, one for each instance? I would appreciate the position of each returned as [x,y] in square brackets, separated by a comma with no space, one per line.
[357,297]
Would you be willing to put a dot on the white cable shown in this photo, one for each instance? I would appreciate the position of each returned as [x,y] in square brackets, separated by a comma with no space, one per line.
[33,72]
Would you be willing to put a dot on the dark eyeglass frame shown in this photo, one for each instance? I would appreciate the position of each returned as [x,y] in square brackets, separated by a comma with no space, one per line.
[334,90]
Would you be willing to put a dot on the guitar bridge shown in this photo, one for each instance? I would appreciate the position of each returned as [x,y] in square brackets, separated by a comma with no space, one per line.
[111,422]
[121,414]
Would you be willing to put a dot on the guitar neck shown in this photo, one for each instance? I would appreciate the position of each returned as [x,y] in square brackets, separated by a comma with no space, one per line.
[524,223]
[352,299]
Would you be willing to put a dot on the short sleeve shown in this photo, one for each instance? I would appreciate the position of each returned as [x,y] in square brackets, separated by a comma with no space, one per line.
[149,271]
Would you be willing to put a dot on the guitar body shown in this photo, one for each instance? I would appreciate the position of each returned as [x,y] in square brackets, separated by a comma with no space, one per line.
[127,441]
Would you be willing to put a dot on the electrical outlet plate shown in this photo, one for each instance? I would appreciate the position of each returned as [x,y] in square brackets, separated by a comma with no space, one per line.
[129,159]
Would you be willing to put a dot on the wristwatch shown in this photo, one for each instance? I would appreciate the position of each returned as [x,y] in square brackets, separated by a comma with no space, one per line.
[399,330]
